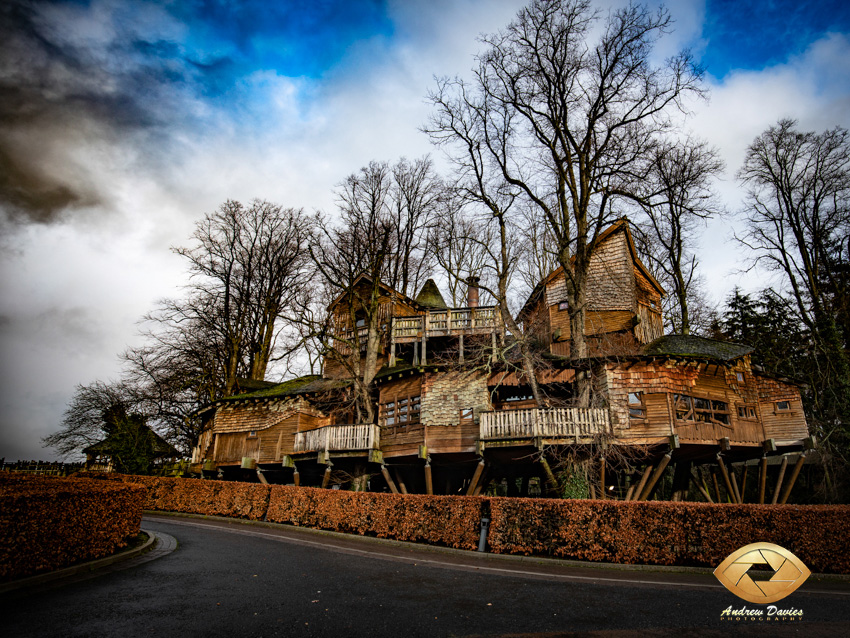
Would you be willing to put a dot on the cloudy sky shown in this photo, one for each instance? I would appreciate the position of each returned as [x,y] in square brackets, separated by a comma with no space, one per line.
[124,121]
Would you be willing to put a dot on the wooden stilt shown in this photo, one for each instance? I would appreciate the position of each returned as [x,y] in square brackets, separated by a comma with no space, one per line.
[681,480]
[554,488]
[401,485]
[392,353]
[602,494]
[744,483]
[416,353]
[475,478]
[734,480]
[762,479]
[779,480]
[460,346]
[643,479]
[629,492]
[729,491]
[647,490]
[493,358]
[713,472]
[261,477]
[389,479]
[296,478]
[326,479]
[424,349]
[429,484]
[700,487]
[798,466]
[482,484]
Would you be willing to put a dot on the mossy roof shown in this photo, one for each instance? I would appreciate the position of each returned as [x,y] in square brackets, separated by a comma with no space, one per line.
[696,347]
[430,297]
[293,387]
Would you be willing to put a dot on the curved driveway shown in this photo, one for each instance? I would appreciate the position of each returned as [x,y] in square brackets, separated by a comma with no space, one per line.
[231,579]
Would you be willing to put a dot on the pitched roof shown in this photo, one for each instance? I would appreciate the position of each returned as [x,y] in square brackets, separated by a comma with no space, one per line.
[161,447]
[362,277]
[696,347]
[430,297]
[301,385]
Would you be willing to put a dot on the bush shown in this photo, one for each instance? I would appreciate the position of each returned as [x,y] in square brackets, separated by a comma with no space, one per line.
[49,523]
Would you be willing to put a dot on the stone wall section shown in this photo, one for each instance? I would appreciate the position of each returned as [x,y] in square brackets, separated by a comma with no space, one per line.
[445,394]
[247,416]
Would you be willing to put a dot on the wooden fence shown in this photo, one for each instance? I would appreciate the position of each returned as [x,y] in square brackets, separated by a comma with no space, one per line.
[338,437]
[545,422]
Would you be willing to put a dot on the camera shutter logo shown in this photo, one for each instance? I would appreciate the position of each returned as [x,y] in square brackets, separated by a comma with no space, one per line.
[789,573]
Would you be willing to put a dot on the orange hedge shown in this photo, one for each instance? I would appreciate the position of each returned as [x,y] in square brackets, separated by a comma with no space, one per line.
[665,533]
[49,523]
[439,520]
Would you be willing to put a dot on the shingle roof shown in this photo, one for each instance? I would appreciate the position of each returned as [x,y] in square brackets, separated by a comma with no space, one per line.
[430,297]
[696,347]
[301,385]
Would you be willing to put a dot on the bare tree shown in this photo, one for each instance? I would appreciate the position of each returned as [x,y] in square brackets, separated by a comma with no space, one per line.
[249,261]
[563,124]
[676,201]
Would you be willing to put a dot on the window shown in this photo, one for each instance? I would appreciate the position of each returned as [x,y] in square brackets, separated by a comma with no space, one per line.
[747,412]
[252,433]
[783,406]
[401,412]
[467,416]
[563,306]
[701,410]
[637,410]
[739,376]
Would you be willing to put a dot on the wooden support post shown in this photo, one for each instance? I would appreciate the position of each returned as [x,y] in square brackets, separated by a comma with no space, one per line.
[779,480]
[493,358]
[602,476]
[424,349]
[700,487]
[460,346]
[401,485]
[475,478]
[416,353]
[726,481]
[392,352]
[482,484]
[681,480]
[762,479]
[713,472]
[643,479]
[647,490]
[429,484]
[735,489]
[553,483]
[326,479]
[389,479]
[296,478]
[798,466]
[629,492]
[261,477]
[744,482]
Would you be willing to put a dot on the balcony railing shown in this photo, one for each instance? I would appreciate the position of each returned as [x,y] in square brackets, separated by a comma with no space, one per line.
[547,423]
[451,321]
[338,437]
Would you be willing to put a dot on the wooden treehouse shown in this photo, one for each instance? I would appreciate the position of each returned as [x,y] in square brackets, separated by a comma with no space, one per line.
[452,418]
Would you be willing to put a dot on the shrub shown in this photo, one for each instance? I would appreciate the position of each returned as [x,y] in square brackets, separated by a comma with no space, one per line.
[49,523]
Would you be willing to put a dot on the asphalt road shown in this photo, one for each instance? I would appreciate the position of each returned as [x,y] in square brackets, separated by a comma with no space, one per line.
[230,579]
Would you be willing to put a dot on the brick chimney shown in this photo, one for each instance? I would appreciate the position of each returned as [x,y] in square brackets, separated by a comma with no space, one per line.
[472,291]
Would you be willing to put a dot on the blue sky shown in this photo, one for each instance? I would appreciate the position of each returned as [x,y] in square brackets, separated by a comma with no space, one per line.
[122,122]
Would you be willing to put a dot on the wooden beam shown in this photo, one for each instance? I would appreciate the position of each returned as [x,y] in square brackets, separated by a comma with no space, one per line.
[700,486]
[553,483]
[398,477]
[424,349]
[744,482]
[647,490]
[460,346]
[798,466]
[261,477]
[388,479]
[475,478]
[713,472]
[779,480]
[729,491]
[429,484]
[643,479]
[681,480]
[326,479]
[296,478]
[602,477]
[762,479]
[734,480]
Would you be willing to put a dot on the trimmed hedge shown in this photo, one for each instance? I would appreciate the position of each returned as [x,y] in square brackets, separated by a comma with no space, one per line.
[664,533]
[658,533]
[49,523]
[437,520]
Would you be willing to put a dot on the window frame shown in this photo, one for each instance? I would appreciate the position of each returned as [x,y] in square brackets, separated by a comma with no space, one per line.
[693,410]
[747,407]
[779,410]
[466,419]
[392,409]
[636,406]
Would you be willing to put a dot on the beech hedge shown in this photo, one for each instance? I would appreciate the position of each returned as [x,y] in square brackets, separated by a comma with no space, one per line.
[658,533]
[49,523]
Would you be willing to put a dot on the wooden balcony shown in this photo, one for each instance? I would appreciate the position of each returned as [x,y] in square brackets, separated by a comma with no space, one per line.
[338,438]
[444,323]
[576,424]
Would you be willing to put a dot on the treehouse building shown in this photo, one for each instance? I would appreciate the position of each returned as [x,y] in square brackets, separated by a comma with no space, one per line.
[452,417]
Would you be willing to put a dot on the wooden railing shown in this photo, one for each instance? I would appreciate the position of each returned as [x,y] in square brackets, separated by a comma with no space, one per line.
[338,437]
[545,422]
[435,323]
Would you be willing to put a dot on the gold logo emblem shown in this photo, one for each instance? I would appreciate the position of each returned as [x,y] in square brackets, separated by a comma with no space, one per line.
[789,573]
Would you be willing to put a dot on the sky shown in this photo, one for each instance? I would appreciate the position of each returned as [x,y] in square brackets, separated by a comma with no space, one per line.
[122,122]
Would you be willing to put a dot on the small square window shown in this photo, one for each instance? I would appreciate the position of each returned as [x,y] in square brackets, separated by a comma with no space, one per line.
[467,415]
[252,433]
[739,376]
[783,406]
[563,306]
